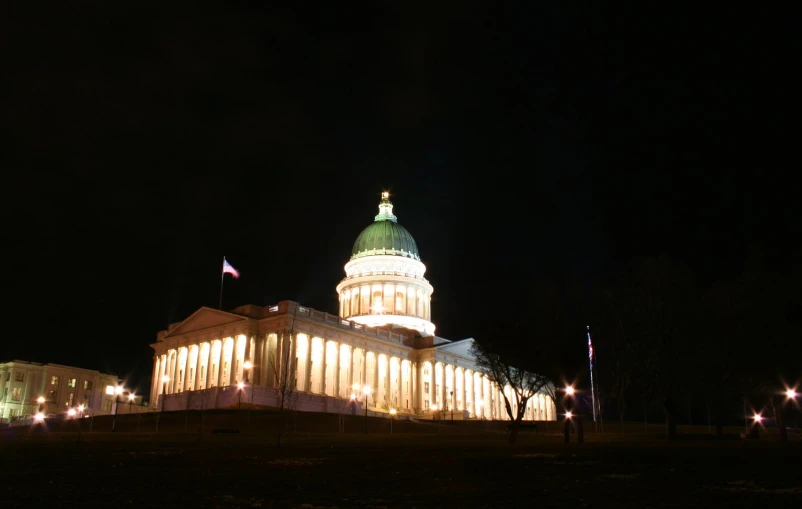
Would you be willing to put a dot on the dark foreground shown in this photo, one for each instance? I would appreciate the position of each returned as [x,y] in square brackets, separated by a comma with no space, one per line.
[399,470]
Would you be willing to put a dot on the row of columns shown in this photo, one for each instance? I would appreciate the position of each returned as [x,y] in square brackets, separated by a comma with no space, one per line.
[383,298]
[334,369]
[451,387]
[326,367]
[201,366]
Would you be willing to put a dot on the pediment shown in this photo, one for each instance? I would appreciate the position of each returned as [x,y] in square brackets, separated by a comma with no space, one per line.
[462,348]
[202,319]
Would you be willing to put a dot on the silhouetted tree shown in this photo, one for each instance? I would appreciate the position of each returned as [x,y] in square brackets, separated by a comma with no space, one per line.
[523,384]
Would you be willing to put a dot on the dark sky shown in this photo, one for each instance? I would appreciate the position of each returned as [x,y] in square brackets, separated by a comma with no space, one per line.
[140,144]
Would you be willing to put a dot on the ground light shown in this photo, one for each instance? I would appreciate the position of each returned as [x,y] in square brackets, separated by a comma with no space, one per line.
[366,392]
[117,390]
[392,415]
[240,387]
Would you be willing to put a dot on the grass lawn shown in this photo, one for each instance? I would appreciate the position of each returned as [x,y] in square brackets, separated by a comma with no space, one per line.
[413,469]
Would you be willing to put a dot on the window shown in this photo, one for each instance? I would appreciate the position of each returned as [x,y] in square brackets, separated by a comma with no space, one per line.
[71,382]
[70,399]
[54,380]
[19,377]
[52,396]
[191,376]
[425,371]
[16,394]
[425,404]
[107,405]
[87,384]
[426,387]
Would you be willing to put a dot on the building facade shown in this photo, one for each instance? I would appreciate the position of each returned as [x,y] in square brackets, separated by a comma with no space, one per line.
[380,351]
[62,387]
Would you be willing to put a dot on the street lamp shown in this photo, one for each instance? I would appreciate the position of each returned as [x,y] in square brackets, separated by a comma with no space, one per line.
[366,392]
[41,401]
[80,420]
[392,414]
[71,412]
[451,393]
[165,379]
[131,397]
[240,386]
[247,367]
[117,390]
[569,390]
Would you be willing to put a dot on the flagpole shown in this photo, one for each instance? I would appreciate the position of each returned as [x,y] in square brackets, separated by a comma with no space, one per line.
[596,366]
[222,278]
[592,385]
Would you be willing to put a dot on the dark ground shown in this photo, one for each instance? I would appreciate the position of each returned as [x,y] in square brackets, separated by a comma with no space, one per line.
[422,469]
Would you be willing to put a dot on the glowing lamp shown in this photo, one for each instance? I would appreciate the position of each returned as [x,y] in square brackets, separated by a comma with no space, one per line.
[392,411]
[240,385]
[758,418]
[118,390]
[355,387]
[366,389]
[568,414]
[569,389]
[131,397]
[353,396]
[165,379]
[71,412]
[247,365]
[40,399]
[81,408]
[791,394]
[39,416]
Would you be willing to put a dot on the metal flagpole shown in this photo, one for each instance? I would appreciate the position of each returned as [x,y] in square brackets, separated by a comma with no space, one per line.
[222,278]
[601,418]
[592,386]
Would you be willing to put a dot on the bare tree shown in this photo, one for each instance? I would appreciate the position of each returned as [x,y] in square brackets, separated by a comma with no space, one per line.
[523,384]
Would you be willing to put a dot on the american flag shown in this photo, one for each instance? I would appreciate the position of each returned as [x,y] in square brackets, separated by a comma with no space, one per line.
[227,268]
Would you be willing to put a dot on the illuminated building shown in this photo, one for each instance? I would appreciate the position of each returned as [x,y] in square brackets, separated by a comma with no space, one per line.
[22,383]
[382,338]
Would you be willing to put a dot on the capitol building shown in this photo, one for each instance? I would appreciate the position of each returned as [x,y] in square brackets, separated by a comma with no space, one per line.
[380,350]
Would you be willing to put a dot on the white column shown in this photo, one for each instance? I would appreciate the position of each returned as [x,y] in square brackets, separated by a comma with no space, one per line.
[433,385]
[174,367]
[187,365]
[221,362]
[336,371]
[207,381]
[153,379]
[324,361]
[162,372]
[308,370]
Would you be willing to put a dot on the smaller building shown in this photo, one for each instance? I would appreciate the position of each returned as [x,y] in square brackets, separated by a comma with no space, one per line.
[23,383]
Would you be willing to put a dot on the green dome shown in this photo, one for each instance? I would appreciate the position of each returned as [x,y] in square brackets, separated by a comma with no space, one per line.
[385,236]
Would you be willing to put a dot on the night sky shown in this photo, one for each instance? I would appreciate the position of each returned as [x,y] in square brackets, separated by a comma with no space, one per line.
[519,141]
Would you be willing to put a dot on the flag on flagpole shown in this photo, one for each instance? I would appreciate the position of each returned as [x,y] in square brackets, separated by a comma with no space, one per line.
[227,268]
